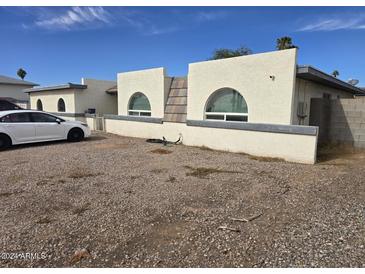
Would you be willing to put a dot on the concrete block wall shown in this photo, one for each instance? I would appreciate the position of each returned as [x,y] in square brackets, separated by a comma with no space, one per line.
[347,122]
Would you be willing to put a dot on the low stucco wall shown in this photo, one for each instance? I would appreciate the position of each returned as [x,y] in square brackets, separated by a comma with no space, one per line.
[290,147]
[69,118]
[91,121]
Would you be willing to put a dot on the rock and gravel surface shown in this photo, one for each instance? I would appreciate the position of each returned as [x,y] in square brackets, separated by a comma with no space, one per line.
[121,202]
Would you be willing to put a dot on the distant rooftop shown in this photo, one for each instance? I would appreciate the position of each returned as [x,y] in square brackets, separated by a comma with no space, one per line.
[112,90]
[57,87]
[315,75]
[13,81]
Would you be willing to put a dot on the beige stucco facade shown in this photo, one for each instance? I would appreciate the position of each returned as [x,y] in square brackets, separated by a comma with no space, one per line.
[78,101]
[153,83]
[269,100]
[94,96]
[305,90]
[50,99]
[267,83]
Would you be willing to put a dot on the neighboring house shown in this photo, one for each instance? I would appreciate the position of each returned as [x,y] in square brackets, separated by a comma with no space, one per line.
[12,89]
[250,104]
[313,83]
[74,100]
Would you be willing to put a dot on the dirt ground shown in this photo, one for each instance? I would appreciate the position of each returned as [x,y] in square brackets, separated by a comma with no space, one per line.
[121,202]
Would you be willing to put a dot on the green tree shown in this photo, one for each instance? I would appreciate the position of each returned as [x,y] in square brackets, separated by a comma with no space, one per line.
[335,73]
[284,43]
[228,53]
[21,73]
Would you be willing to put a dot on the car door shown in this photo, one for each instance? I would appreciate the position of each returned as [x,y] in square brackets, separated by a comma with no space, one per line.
[47,127]
[19,127]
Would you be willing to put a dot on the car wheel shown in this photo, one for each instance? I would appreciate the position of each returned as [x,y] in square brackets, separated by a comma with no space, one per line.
[75,135]
[5,142]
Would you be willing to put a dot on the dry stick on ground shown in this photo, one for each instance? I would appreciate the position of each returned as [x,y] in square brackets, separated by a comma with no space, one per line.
[249,245]
[247,220]
[229,228]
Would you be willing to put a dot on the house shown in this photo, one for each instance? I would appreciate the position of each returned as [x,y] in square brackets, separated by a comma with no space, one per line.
[73,101]
[312,83]
[12,90]
[258,104]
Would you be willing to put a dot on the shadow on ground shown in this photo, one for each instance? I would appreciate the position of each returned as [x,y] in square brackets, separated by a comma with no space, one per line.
[338,154]
[92,138]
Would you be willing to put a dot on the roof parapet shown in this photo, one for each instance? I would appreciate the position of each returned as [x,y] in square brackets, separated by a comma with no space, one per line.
[64,86]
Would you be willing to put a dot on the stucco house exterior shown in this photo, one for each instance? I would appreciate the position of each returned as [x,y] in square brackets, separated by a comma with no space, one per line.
[12,89]
[260,104]
[73,101]
[312,83]
[257,104]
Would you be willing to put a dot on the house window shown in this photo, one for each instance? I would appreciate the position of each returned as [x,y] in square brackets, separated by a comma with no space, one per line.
[226,104]
[61,105]
[39,105]
[139,105]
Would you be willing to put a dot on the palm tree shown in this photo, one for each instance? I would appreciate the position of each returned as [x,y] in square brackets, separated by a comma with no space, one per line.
[284,43]
[335,73]
[228,53]
[21,73]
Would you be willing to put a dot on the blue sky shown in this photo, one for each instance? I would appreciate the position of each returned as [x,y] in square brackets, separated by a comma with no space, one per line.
[62,44]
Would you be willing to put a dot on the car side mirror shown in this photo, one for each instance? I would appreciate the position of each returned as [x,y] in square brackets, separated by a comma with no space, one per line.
[58,121]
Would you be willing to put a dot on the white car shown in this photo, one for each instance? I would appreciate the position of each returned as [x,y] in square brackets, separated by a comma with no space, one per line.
[29,126]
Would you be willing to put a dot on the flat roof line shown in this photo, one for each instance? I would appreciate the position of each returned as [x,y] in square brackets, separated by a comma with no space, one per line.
[316,75]
[57,87]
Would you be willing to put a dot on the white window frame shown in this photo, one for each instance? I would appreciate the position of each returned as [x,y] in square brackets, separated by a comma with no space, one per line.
[139,112]
[225,114]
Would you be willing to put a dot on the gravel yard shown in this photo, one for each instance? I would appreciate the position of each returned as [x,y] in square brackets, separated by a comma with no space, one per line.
[122,202]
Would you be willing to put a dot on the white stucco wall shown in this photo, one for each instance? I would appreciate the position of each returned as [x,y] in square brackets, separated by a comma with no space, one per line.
[50,100]
[96,97]
[269,101]
[291,147]
[150,82]
[305,90]
[14,91]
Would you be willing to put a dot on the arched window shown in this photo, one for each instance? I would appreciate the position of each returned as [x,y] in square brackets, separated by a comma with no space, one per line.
[139,105]
[39,105]
[61,105]
[228,105]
